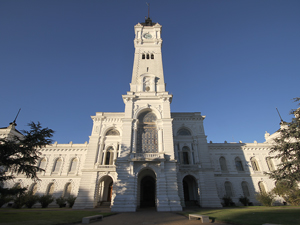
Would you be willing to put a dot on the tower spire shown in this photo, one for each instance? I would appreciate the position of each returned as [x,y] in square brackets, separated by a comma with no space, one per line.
[148,4]
[281,120]
[14,122]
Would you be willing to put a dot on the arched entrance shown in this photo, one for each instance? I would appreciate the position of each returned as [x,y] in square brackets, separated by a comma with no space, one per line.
[147,196]
[146,188]
[190,191]
[105,190]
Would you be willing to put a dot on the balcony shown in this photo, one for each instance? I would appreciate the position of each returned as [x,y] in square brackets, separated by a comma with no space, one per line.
[189,167]
[147,156]
[110,168]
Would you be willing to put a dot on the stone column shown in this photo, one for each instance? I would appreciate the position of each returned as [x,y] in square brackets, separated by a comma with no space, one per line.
[134,138]
[104,157]
[176,151]
[119,149]
[160,140]
[191,160]
[100,152]
[195,149]
[115,154]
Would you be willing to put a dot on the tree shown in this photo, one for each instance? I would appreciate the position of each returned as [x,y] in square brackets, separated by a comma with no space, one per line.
[20,155]
[290,194]
[287,149]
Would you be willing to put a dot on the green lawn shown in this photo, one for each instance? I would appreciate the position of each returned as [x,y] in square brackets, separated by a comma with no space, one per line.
[254,215]
[44,216]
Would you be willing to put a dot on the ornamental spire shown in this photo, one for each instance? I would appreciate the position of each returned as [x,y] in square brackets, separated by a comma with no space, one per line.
[14,122]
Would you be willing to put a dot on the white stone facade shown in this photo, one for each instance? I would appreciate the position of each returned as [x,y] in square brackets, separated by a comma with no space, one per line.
[148,156]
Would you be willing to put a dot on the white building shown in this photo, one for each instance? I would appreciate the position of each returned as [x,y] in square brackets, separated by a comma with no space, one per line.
[148,156]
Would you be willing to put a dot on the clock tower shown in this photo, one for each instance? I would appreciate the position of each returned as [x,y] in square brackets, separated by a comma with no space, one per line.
[146,166]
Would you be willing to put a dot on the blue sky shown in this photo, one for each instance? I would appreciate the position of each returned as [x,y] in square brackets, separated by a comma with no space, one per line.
[234,61]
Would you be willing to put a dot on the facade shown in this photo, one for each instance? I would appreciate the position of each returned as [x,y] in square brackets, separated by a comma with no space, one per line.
[147,156]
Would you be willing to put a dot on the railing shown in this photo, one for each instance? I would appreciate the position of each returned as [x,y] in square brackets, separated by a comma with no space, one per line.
[107,167]
[146,156]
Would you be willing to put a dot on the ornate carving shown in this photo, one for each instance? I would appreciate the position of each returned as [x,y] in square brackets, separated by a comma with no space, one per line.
[184,132]
[112,132]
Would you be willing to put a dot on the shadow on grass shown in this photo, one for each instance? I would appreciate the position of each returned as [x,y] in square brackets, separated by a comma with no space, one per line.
[256,215]
[47,217]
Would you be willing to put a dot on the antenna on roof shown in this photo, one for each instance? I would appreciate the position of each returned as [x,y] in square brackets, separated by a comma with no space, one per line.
[279,115]
[148,4]
[14,122]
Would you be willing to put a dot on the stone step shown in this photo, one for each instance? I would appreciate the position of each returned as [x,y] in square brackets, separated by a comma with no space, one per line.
[105,203]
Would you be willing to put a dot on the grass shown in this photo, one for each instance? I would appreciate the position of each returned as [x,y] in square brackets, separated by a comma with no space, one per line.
[253,215]
[44,216]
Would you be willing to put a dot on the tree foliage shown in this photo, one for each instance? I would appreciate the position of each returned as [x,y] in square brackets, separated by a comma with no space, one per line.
[287,149]
[20,155]
[289,192]
[266,199]
[45,200]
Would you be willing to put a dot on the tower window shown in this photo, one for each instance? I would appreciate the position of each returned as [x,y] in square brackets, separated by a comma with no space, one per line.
[152,56]
[254,164]
[148,56]
[223,165]
[238,164]
[143,56]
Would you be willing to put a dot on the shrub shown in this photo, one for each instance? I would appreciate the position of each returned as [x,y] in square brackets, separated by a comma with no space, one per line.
[244,200]
[5,199]
[30,199]
[227,201]
[45,200]
[71,200]
[288,191]
[19,201]
[264,198]
[61,201]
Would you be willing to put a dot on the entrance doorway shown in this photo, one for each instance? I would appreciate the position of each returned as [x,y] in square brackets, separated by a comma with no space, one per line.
[146,188]
[109,194]
[147,192]
[190,191]
[105,191]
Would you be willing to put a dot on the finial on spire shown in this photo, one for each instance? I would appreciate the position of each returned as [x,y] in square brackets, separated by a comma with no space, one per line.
[14,122]
[281,120]
[148,4]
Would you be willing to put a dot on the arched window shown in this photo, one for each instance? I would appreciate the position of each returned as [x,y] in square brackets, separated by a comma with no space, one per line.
[228,189]
[109,159]
[238,164]
[148,56]
[143,56]
[42,163]
[113,132]
[261,186]
[185,155]
[254,164]
[73,165]
[33,188]
[147,139]
[223,164]
[270,164]
[50,189]
[152,56]
[184,132]
[245,189]
[67,190]
[57,165]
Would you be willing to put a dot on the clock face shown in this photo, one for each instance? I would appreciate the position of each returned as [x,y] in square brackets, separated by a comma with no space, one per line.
[147,36]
